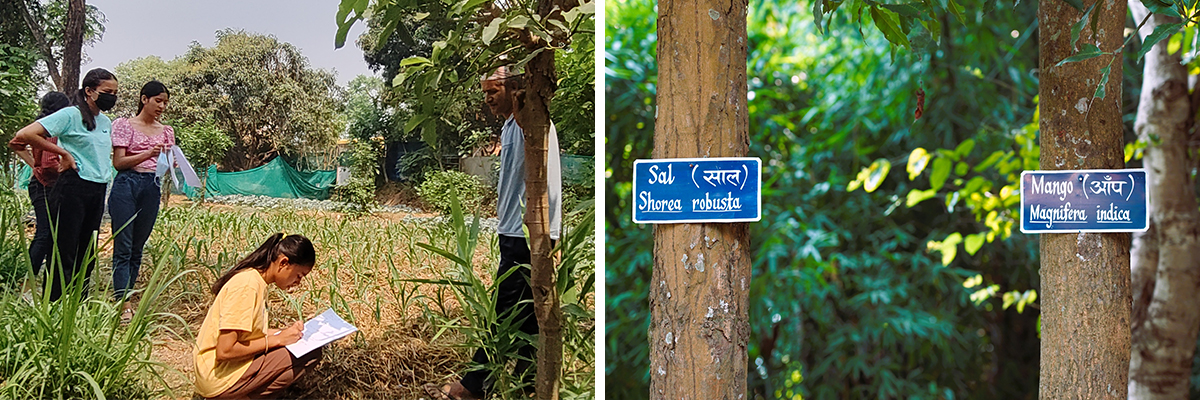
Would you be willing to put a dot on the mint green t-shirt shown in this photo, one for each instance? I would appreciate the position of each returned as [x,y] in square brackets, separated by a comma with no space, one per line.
[92,149]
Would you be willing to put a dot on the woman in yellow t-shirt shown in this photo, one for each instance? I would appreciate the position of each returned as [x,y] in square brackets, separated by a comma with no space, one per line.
[236,355]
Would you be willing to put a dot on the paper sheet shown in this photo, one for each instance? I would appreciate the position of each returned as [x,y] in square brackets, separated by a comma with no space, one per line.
[320,331]
[166,162]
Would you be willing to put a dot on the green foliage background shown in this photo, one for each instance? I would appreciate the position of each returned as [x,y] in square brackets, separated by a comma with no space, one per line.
[848,299]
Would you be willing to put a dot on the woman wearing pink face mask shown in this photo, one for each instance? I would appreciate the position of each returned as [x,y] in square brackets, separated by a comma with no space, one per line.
[133,203]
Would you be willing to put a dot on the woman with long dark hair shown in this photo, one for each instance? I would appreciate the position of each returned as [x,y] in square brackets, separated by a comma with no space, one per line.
[77,200]
[236,355]
[45,173]
[133,202]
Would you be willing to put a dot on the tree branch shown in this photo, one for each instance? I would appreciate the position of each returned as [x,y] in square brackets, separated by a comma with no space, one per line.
[43,45]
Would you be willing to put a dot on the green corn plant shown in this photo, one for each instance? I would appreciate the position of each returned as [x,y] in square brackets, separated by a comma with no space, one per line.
[497,334]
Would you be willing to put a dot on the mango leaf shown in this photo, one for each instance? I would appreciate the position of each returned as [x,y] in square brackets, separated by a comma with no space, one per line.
[916,196]
[429,132]
[987,162]
[957,10]
[438,46]
[973,281]
[817,14]
[879,170]
[518,22]
[1010,298]
[935,29]
[974,242]
[975,184]
[948,247]
[414,122]
[911,10]
[414,61]
[1162,8]
[1078,27]
[889,23]
[491,30]
[529,57]
[853,185]
[1089,51]
[917,161]
[1029,297]
[965,147]
[1104,72]
[941,171]
[1159,33]
[961,168]
[399,79]
[587,8]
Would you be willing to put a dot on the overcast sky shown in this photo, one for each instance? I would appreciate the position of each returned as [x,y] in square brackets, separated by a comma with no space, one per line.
[165,28]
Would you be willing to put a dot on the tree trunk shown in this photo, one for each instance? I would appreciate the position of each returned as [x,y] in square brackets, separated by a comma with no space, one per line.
[1085,277]
[534,119]
[72,46]
[39,36]
[1167,309]
[699,306]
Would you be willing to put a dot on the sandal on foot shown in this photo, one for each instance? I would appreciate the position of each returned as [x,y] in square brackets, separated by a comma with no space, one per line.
[126,316]
[436,392]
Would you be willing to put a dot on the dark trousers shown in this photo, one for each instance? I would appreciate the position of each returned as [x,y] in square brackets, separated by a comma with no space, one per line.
[43,243]
[133,207]
[514,251]
[76,208]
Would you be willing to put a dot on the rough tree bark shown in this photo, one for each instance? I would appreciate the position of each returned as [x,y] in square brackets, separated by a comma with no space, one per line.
[699,306]
[72,46]
[39,35]
[534,119]
[1165,262]
[1084,277]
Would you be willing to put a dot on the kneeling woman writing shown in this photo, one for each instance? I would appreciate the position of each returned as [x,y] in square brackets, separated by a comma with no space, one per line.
[236,355]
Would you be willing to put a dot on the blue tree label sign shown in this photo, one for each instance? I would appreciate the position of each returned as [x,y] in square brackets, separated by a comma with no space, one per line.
[1095,200]
[697,190]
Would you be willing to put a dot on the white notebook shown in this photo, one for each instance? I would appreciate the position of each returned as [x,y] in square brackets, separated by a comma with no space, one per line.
[319,331]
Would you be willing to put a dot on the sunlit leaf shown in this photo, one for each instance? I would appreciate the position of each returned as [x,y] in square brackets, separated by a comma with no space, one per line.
[917,160]
[973,242]
[491,30]
[916,196]
[879,170]
[963,149]
[518,22]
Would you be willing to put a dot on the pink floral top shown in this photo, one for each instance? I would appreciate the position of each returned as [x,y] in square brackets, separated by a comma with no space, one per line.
[134,142]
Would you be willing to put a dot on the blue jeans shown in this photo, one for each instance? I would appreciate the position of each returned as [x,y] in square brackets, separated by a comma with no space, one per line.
[133,206]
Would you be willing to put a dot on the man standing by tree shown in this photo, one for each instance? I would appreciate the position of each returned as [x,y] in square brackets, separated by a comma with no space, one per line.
[503,94]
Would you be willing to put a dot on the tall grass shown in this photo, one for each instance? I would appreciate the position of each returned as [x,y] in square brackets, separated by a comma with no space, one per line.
[499,334]
[75,347]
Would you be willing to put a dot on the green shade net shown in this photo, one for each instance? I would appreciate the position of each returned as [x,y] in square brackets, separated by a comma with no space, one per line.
[273,179]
